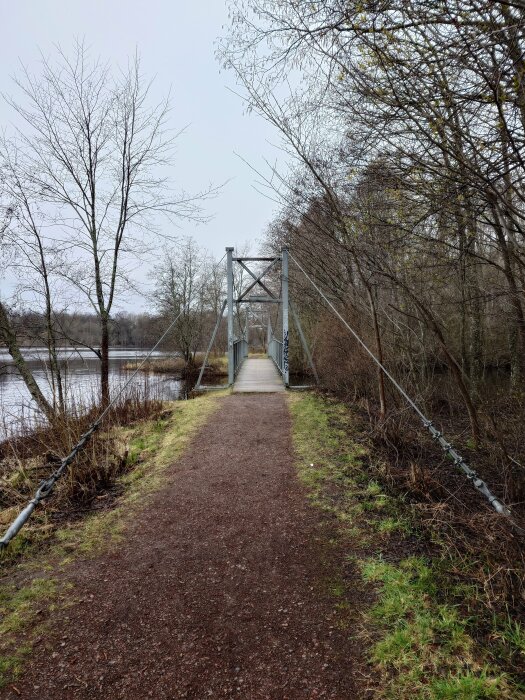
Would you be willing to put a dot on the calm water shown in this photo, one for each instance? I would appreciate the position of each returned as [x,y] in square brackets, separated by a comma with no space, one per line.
[81,368]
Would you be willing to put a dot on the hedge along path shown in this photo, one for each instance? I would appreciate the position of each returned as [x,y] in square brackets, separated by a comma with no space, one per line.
[219,588]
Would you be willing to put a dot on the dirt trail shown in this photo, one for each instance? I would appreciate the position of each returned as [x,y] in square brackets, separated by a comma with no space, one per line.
[219,590]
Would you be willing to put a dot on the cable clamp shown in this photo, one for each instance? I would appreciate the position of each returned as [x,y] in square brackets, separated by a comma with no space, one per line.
[44,490]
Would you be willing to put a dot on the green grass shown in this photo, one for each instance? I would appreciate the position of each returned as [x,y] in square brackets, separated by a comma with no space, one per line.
[11,666]
[513,633]
[151,448]
[422,647]
[18,605]
[469,686]
[19,608]
[425,650]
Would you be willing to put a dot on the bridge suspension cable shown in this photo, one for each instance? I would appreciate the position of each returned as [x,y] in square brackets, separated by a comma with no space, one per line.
[496,503]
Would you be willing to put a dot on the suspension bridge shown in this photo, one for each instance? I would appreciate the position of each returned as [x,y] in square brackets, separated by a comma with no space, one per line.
[269,375]
[249,374]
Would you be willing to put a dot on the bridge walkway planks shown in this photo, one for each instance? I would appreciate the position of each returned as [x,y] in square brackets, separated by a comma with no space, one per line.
[258,375]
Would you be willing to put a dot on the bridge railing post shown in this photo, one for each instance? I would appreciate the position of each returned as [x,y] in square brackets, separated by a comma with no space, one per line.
[284,296]
[229,299]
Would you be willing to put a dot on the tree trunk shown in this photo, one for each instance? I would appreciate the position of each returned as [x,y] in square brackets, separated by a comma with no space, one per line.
[475,303]
[379,350]
[458,376]
[476,336]
[104,359]
[518,328]
[9,338]
[377,338]
[451,361]
[56,373]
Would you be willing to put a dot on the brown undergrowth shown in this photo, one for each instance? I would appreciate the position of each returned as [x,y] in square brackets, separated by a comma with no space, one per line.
[449,509]
[445,623]
[28,458]
[217,366]
[91,481]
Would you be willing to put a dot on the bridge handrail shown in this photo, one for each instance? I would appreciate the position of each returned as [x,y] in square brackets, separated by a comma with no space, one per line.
[240,352]
[276,352]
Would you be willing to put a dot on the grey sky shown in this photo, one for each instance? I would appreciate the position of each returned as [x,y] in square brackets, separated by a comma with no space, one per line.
[176,42]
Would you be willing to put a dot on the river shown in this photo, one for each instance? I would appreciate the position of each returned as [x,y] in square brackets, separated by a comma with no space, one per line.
[81,369]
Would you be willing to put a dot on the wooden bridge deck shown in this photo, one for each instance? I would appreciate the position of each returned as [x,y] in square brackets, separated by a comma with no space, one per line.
[258,375]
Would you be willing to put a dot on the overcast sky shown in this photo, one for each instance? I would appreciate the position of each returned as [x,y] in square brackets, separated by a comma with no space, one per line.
[176,40]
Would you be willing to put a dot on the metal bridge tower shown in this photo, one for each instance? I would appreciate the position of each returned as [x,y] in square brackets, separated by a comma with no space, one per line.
[278,350]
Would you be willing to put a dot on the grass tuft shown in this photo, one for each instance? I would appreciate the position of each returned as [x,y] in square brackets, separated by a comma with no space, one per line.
[19,608]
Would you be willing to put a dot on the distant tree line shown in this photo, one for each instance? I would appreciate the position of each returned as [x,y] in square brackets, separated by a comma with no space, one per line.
[126,330]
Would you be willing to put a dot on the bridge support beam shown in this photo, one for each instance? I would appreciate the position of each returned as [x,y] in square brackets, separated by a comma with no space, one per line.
[229,301]
[210,345]
[284,297]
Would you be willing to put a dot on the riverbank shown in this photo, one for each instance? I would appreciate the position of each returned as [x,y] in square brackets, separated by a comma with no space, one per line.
[216,367]
[31,456]
[81,375]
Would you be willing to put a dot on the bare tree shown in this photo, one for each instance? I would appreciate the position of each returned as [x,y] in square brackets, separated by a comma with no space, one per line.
[188,285]
[7,332]
[96,151]
[36,260]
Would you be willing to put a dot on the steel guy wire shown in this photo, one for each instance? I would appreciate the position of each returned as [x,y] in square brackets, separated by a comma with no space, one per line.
[47,486]
[459,462]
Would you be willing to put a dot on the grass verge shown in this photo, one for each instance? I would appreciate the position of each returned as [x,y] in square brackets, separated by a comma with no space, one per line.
[420,643]
[151,447]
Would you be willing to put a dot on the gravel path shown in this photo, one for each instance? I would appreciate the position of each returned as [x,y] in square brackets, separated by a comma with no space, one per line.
[219,590]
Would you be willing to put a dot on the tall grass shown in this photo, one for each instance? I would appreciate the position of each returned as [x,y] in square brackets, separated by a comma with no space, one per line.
[32,449]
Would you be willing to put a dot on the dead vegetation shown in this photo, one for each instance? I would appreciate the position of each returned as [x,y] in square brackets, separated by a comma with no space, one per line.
[216,366]
[479,551]
[30,456]
[444,619]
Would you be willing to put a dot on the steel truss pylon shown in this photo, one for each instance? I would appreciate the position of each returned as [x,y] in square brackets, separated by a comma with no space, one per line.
[278,350]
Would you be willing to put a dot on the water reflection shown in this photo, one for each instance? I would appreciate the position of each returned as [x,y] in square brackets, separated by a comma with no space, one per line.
[81,372]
